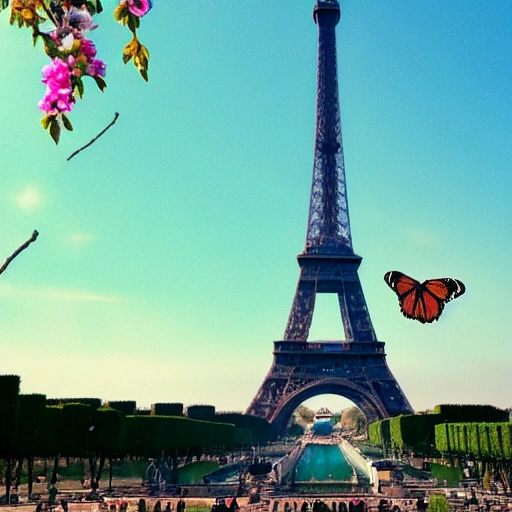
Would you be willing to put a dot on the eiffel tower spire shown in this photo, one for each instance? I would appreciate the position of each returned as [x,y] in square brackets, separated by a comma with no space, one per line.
[328,224]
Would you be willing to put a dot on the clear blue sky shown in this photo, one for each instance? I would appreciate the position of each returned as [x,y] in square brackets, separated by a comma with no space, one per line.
[165,266]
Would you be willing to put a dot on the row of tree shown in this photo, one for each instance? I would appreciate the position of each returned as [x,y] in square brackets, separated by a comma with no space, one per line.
[85,428]
[480,440]
[473,437]
[418,432]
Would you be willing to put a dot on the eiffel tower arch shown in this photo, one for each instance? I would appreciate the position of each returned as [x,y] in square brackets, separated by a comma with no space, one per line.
[356,366]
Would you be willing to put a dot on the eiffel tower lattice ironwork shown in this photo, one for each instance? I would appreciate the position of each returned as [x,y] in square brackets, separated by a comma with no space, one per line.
[355,367]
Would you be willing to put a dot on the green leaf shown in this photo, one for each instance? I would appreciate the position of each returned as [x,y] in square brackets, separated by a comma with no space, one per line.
[100,82]
[4,4]
[46,120]
[144,74]
[50,47]
[79,87]
[67,123]
[133,23]
[55,130]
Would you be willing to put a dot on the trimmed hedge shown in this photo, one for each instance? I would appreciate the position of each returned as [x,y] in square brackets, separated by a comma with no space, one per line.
[481,440]
[450,427]
[150,435]
[93,402]
[77,429]
[50,439]
[168,409]
[126,407]
[242,436]
[31,412]
[379,432]
[32,425]
[471,413]
[9,392]
[201,412]
[374,436]
[261,429]
[414,432]
[108,436]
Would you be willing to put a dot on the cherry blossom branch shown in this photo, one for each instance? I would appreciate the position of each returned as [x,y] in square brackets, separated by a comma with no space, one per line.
[17,251]
[95,138]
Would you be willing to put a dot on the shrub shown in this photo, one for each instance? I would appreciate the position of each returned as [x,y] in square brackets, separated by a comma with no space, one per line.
[438,503]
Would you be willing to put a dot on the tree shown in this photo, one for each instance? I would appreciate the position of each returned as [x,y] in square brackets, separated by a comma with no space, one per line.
[9,392]
[354,419]
[32,409]
[50,439]
[107,441]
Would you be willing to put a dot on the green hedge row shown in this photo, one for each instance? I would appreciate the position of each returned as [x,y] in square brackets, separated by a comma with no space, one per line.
[374,435]
[481,440]
[150,435]
[76,427]
[414,431]
[421,432]
[379,432]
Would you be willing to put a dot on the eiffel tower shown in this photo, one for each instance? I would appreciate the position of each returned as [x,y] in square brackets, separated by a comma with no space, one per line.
[355,367]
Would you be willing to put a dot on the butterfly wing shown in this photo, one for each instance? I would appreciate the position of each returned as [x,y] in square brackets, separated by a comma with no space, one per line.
[427,307]
[400,283]
[408,292]
[436,293]
[445,289]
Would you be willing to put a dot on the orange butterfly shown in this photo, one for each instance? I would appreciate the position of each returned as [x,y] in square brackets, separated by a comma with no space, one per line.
[423,301]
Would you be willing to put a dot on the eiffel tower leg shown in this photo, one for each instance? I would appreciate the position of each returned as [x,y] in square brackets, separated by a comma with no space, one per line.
[301,314]
[265,402]
[354,313]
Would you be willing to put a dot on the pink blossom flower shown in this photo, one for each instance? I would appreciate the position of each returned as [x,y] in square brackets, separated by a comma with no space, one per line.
[87,48]
[139,7]
[58,97]
[96,67]
[93,67]
[56,73]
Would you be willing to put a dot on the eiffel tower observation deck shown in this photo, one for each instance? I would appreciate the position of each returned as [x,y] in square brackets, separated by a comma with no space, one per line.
[354,367]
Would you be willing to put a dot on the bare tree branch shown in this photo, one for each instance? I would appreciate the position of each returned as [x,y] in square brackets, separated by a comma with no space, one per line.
[116,115]
[17,251]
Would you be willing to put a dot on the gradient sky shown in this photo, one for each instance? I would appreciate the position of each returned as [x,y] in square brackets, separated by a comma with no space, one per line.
[166,261]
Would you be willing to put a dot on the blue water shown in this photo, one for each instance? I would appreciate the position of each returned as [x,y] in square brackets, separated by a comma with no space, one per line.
[321,462]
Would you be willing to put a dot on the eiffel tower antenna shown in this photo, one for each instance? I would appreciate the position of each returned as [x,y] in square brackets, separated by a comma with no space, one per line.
[328,223]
